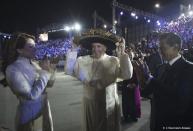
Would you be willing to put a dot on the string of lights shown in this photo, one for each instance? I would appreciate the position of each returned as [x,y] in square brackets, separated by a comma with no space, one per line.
[136,12]
[5,35]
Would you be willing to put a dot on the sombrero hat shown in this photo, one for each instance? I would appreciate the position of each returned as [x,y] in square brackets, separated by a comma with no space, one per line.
[98,35]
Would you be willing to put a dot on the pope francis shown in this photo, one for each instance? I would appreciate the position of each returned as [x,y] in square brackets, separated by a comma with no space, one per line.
[99,73]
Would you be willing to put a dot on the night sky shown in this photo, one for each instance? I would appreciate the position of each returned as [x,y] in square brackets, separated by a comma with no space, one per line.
[27,16]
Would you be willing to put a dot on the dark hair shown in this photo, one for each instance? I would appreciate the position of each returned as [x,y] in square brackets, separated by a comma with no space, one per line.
[21,39]
[171,39]
[9,53]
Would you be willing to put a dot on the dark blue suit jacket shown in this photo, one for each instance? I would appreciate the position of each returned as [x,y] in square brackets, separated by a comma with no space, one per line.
[172,96]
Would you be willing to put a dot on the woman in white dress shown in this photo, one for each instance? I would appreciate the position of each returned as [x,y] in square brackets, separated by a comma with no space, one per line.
[99,73]
[28,82]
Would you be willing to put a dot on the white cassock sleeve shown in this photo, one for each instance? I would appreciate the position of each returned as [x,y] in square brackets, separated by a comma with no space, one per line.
[77,72]
[124,68]
[70,61]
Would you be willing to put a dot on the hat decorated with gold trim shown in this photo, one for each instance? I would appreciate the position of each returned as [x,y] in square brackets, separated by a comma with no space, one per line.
[100,36]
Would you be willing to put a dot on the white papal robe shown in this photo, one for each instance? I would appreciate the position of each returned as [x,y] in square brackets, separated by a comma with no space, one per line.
[101,110]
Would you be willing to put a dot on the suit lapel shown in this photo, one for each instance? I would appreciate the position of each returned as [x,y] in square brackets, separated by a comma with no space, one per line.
[167,73]
[175,71]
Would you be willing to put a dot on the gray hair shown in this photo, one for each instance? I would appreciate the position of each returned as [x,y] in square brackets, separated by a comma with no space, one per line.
[171,39]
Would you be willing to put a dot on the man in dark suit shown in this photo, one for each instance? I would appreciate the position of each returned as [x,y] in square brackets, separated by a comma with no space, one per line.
[171,87]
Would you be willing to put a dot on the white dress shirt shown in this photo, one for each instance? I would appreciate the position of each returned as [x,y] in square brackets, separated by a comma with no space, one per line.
[171,62]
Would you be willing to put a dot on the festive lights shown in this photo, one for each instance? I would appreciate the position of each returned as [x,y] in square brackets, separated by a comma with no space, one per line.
[105,26]
[121,13]
[115,22]
[133,14]
[158,22]
[67,28]
[157,5]
[75,27]
[190,13]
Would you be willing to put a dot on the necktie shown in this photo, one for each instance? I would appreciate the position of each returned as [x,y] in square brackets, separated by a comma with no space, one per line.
[165,72]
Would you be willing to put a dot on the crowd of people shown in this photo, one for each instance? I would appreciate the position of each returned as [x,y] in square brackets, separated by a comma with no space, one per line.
[53,48]
[183,27]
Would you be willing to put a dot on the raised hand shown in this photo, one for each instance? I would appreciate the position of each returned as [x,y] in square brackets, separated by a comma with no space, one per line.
[120,49]
[46,65]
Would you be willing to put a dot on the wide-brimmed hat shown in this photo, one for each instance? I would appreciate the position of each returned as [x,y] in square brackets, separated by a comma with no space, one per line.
[98,35]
